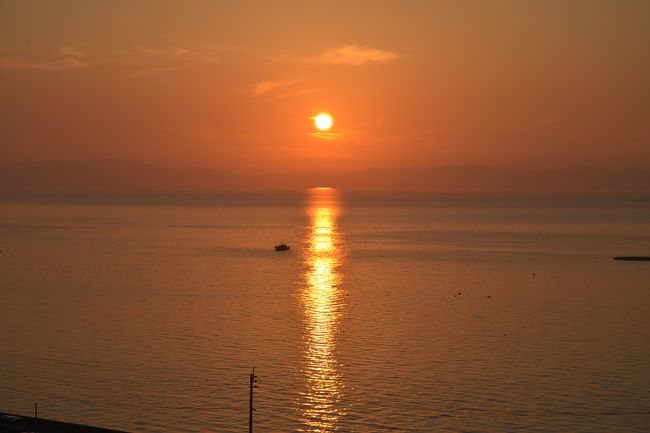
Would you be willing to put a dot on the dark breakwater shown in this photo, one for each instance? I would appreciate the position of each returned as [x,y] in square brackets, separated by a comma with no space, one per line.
[50,426]
[633,258]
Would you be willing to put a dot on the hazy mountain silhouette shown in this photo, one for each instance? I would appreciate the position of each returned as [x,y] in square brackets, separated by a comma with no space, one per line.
[126,175]
[108,174]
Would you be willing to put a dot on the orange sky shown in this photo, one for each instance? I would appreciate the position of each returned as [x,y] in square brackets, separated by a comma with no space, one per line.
[513,84]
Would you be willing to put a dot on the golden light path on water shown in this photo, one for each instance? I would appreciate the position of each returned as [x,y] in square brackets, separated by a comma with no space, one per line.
[322,302]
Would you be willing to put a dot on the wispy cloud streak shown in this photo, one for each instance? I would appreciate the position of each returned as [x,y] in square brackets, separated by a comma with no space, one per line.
[355,55]
[264,87]
[71,60]
[146,72]
[300,92]
[179,53]
[154,61]
[70,51]
[54,65]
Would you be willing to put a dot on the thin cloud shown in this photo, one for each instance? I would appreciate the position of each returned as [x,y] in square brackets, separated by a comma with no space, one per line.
[295,93]
[264,87]
[154,61]
[146,72]
[327,135]
[150,51]
[355,55]
[54,65]
[71,60]
[233,48]
[70,51]
[179,53]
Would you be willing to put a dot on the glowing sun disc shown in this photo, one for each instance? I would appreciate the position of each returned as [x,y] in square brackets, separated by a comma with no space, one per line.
[323,121]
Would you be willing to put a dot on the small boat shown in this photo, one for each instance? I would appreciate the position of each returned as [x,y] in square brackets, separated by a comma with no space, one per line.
[282,247]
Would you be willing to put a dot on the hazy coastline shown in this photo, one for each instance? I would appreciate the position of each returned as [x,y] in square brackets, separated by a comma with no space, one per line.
[118,175]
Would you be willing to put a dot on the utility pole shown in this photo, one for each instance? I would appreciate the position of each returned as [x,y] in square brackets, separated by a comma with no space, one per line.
[253,380]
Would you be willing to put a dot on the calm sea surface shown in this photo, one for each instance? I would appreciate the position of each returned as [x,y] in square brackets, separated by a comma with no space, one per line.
[389,313]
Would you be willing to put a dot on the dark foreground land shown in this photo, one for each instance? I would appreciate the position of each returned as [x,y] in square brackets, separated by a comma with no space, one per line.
[49,426]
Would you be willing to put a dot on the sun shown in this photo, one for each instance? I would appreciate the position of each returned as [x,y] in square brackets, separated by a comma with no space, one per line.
[323,121]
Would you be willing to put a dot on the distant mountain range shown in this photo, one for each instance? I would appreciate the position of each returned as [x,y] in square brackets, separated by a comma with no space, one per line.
[126,175]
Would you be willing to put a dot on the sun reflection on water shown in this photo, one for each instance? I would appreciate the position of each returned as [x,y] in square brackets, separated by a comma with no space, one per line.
[322,302]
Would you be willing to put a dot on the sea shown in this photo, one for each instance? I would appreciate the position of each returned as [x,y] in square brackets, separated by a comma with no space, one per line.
[395,312]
